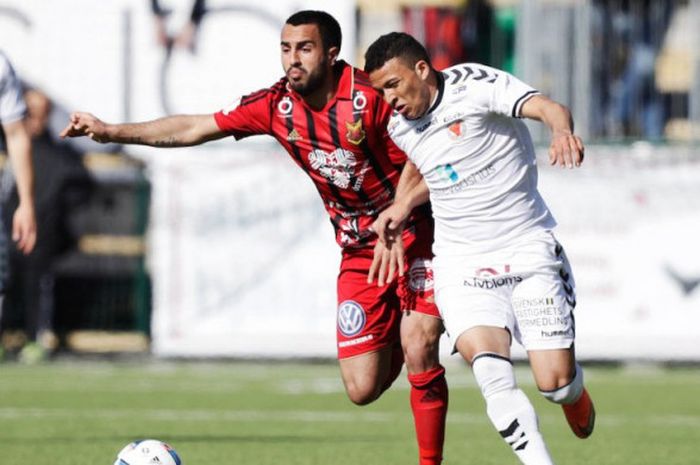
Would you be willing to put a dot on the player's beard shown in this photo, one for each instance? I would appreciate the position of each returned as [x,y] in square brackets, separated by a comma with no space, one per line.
[314,81]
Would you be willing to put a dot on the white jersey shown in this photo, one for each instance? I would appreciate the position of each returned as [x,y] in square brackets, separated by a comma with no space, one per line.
[12,107]
[477,159]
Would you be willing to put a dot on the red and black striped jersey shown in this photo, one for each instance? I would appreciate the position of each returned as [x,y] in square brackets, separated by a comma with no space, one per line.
[344,147]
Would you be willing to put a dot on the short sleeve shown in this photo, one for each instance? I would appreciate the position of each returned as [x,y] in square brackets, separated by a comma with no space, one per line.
[492,89]
[509,94]
[247,116]
[12,107]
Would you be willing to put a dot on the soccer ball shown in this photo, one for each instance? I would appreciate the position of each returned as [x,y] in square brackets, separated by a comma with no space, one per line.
[148,452]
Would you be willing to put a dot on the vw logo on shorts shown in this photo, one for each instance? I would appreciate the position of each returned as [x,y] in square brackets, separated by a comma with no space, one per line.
[351,318]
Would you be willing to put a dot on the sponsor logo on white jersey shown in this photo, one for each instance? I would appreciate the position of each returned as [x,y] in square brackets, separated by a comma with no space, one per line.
[492,283]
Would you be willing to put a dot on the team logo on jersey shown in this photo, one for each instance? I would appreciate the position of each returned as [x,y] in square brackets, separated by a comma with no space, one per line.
[456,130]
[285,106]
[359,102]
[293,136]
[351,318]
[337,166]
[420,275]
[355,134]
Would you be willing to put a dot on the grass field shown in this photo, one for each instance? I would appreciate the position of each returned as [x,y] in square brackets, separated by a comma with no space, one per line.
[82,413]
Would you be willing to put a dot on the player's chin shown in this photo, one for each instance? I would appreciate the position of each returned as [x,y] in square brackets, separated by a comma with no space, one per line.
[301,88]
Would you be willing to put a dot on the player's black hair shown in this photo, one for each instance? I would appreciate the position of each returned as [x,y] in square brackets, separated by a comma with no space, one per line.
[328,27]
[395,45]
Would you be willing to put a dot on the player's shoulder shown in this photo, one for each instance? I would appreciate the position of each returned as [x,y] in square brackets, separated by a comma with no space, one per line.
[362,84]
[268,94]
[361,78]
[470,72]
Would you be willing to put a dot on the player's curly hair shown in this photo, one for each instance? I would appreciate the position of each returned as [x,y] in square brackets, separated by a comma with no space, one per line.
[328,27]
[395,45]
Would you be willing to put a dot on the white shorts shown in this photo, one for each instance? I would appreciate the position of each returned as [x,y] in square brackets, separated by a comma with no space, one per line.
[527,288]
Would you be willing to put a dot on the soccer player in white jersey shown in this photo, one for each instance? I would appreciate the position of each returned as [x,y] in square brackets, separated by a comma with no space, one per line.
[499,273]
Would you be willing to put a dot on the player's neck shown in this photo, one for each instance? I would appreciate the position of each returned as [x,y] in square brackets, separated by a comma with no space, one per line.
[434,87]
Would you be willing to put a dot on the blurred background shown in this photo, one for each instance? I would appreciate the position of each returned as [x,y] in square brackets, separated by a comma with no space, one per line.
[224,250]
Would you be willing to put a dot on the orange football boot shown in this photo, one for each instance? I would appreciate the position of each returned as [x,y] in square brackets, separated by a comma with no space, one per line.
[581,415]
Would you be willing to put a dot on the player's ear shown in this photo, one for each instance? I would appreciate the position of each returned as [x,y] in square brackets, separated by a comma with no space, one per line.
[333,53]
[422,69]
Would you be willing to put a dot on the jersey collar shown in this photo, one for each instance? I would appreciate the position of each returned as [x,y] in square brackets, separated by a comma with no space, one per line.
[346,82]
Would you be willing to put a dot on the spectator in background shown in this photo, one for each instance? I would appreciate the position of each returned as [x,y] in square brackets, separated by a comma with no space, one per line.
[62,181]
[18,147]
[170,30]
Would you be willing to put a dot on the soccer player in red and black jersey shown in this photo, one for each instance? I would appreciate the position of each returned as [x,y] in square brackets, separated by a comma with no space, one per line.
[333,124]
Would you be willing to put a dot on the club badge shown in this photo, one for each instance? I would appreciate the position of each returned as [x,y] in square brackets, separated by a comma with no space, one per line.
[355,134]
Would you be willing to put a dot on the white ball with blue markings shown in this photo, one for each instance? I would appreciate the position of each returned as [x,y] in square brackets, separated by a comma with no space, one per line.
[148,452]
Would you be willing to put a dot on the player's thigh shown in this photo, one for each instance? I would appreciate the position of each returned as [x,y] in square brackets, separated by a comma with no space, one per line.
[476,311]
[364,375]
[544,300]
[368,316]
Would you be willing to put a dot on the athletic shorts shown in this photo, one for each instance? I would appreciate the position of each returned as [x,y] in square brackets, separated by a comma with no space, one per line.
[369,316]
[527,288]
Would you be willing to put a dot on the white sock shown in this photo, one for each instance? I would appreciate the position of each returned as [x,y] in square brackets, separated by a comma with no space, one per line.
[509,409]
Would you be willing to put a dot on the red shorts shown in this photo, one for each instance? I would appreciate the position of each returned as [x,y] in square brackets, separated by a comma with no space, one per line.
[369,316]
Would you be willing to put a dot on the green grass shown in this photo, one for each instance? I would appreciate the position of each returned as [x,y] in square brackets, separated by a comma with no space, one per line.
[82,413]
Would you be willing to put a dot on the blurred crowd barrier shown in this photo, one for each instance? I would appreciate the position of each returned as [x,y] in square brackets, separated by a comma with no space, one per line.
[627,68]
[242,270]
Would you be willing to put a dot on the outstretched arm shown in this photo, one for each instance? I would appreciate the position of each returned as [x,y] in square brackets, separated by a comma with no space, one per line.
[19,149]
[566,149]
[171,131]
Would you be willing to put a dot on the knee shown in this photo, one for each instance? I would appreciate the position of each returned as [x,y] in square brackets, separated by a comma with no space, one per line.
[362,388]
[563,388]
[493,373]
[419,356]
[362,393]
[420,348]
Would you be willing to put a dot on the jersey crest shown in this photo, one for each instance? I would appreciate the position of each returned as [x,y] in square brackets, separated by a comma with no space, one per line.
[355,134]
[456,130]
